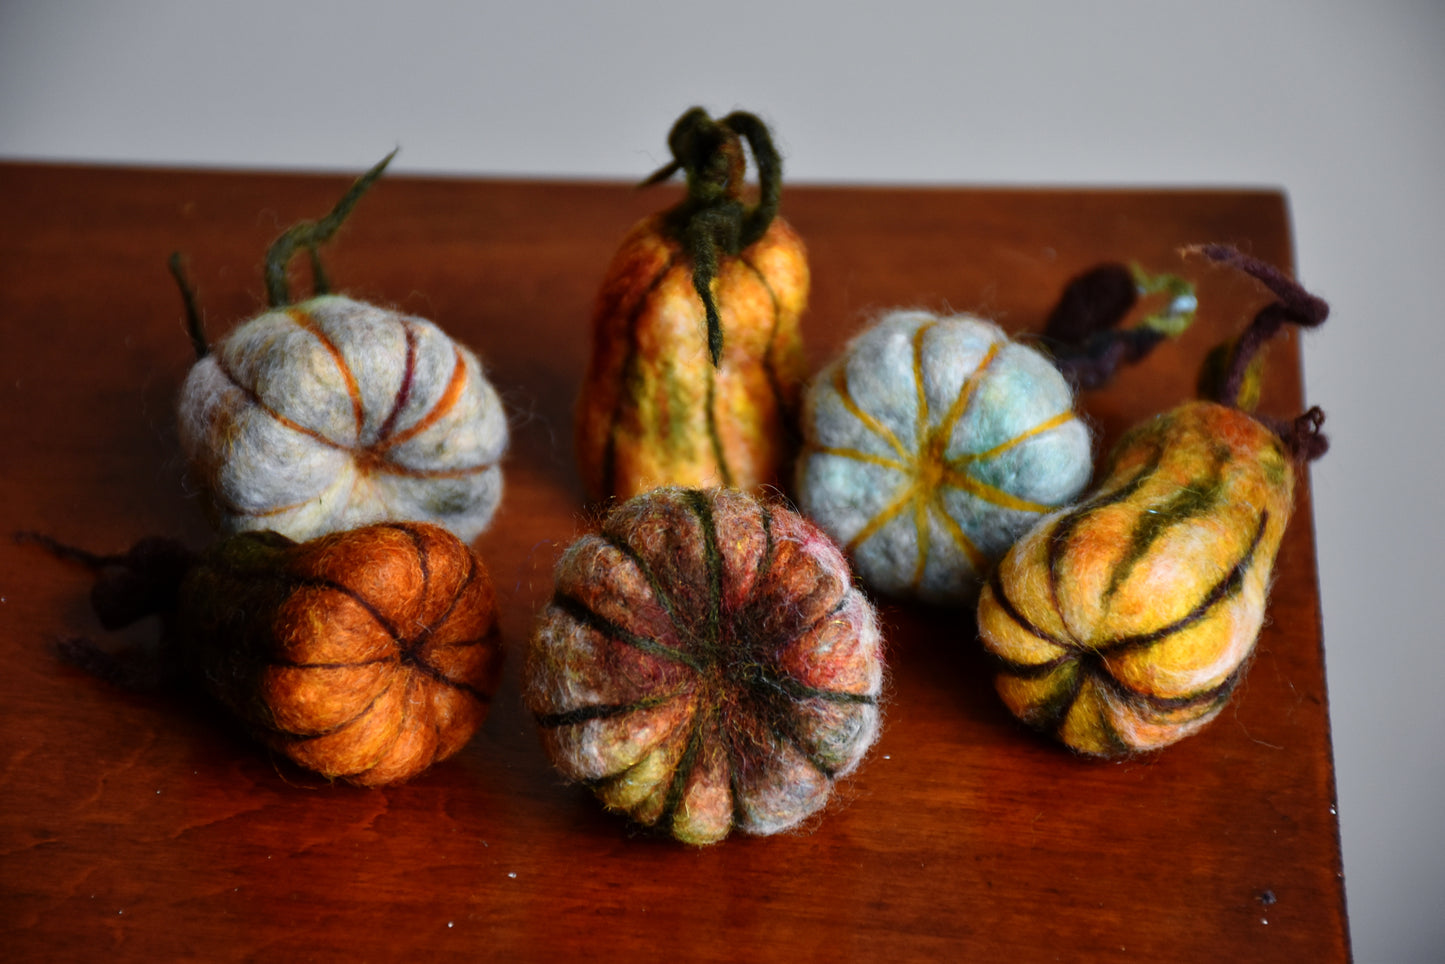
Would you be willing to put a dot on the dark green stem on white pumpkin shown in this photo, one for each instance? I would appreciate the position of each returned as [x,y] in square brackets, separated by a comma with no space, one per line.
[309,235]
[713,220]
[195,326]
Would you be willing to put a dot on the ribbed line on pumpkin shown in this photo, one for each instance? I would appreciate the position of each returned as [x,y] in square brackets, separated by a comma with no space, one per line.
[1206,697]
[578,611]
[1226,588]
[255,399]
[403,391]
[302,582]
[703,510]
[1001,597]
[964,482]
[770,367]
[787,736]
[712,433]
[965,545]
[1063,418]
[444,404]
[840,386]
[432,673]
[461,589]
[765,560]
[798,691]
[303,320]
[860,456]
[1190,501]
[1065,526]
[682,774]
[333,730]
[605,711]
[629,364]
[683,630]
[390,743]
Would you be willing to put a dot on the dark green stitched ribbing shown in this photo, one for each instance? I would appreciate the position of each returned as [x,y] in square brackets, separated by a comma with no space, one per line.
[717,446]
[1226,588]
[579,611]
[685,766]
[602,711]
[308,235]
[1188,502]
[700,505]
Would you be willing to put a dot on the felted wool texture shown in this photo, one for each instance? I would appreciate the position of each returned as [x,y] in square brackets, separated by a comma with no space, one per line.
[365,656]
[930,445]
[1124,623]
[653,410]
[332,413]
[706,664]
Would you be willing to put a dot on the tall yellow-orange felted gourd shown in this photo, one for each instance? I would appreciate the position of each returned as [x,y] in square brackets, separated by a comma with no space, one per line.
[697,362]
[1123,623]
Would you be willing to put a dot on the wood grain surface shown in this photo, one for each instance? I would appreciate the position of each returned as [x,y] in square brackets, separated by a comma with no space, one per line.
[146,825]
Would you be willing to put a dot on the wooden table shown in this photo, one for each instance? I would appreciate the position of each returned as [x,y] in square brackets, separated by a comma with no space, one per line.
[147,826]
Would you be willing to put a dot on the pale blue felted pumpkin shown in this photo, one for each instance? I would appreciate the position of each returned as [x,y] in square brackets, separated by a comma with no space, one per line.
[931,445]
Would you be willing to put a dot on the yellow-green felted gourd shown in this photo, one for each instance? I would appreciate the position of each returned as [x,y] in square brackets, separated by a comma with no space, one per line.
[934,442]
[330,413]
[1123,623]
[697,359]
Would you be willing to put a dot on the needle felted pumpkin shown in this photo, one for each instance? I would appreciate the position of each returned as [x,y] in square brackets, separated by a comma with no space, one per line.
[1124,623]
[696,360]
[933,442]
[706,664]
[330,413]
[365,656]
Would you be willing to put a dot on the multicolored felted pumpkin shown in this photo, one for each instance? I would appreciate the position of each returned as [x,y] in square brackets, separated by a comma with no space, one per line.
[696,360]
[331,413]
[365,656]
[1124,623]
[706,664]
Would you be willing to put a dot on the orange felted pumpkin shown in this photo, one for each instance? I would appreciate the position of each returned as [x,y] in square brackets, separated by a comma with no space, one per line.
[365,655]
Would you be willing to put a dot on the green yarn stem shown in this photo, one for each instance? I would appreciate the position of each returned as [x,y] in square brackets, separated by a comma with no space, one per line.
[195,327]
[309,235]
[1178,314]
[713,220]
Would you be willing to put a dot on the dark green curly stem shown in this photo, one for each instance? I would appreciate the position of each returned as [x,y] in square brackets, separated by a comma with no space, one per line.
[713,220]
[309,235]
[195,327]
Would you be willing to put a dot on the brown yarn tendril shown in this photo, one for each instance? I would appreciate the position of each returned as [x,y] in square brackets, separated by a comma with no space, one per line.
[713,219]
[1296,306]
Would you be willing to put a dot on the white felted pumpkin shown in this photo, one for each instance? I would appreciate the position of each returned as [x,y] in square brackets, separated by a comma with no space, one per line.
[931,445]
[331,413]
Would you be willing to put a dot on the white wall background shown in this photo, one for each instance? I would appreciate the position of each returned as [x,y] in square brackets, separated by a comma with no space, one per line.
[1341,103]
